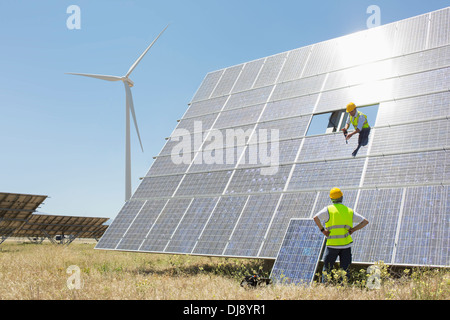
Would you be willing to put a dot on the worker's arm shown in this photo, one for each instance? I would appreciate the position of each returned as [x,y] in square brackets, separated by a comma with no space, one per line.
[361,225]
[325,231]
[345,128]
[352,133]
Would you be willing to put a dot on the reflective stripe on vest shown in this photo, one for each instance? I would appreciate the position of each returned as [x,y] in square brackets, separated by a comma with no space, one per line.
[354,120]
[339,222]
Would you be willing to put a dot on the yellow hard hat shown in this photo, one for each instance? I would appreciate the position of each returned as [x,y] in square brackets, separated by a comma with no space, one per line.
[350,107]
[336,193]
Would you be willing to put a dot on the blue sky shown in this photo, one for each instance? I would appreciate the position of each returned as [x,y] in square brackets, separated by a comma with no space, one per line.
[64,136]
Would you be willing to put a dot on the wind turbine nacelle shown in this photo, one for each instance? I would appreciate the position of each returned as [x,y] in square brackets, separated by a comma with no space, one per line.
[130,83]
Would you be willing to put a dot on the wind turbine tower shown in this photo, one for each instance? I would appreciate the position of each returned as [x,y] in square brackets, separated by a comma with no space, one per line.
[129,108]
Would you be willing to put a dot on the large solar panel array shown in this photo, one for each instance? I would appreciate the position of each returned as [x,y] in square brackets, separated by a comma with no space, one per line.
[299,254]
[217,189]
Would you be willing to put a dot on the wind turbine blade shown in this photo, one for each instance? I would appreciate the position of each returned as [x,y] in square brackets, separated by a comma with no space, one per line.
[143,54]
[130,105]
[97,76]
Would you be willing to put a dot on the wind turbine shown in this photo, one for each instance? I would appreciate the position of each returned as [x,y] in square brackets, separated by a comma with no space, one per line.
[129,108]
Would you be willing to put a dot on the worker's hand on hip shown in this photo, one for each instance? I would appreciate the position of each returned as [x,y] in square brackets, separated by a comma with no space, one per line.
[326,232]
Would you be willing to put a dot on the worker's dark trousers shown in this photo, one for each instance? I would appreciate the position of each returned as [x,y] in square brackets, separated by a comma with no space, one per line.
[363,140]
[330,257]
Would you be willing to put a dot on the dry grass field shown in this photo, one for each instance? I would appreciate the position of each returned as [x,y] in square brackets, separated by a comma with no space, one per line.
[40,272]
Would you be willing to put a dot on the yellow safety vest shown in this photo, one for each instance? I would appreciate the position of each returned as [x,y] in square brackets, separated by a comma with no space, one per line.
[355,120]
[340,221]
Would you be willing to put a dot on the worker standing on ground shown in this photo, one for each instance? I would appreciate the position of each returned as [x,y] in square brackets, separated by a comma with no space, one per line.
[359,122]
[339,221]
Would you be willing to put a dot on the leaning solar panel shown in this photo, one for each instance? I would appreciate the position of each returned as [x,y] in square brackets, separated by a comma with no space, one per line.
[299,254]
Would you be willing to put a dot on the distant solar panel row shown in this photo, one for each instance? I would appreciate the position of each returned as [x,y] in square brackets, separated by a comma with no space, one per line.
[18,219]
[209,195]
[15,210]
[49,226]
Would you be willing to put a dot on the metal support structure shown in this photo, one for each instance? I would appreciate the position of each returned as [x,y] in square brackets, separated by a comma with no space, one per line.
[36,240]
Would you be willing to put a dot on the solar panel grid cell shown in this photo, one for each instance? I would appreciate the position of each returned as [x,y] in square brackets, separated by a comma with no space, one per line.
[219,226]
[227,81]
[248,76]
[375,242]
[439,29]
[425,224]
[251,227]
[190,227]
[162,229]
[208,85]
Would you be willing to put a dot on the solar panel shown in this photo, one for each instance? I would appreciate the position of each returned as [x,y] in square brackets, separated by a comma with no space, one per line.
[248,76]
[299,254]
[252,225]
[248,98]
[381,207]
[216,232]
[234,194]
[202,107]
[208,85]
[439,28]
[270,71]
[191,225]
[226,81]
[15,210]
[424,237]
